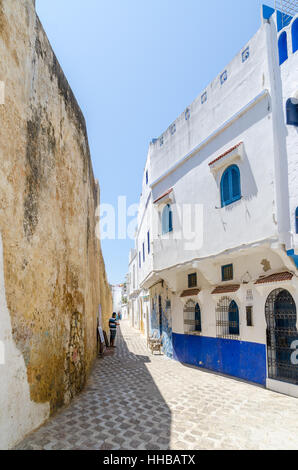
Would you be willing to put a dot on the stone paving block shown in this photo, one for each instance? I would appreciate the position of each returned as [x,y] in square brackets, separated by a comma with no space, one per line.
[159,404]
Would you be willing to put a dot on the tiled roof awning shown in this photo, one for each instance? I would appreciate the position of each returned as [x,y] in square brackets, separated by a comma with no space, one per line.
[163,195]
[190,292]
[285,276]
[231,154]
[226,289]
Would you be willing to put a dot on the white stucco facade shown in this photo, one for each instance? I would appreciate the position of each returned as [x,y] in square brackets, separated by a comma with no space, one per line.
[117,298]
[237,123]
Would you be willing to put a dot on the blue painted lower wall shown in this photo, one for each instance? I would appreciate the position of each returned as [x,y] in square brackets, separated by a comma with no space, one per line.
[165,328]
[236,358]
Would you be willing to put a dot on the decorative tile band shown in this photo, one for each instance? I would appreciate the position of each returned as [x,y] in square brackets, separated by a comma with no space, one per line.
[187,114]
[204,97]
[245,54]
[173,129]
[223,77]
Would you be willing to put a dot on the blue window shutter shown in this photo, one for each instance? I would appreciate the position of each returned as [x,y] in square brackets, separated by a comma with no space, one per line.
[233,319]
[167,220]
[230,185]
[235,176]
[170,219]
[295,35]
[225,188]
[198,325]
[282,48]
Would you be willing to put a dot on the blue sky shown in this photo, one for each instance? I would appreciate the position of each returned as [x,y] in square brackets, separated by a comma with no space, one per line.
[134,66]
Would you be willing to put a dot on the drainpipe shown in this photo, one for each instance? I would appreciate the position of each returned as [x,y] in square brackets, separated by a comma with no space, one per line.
[279,132]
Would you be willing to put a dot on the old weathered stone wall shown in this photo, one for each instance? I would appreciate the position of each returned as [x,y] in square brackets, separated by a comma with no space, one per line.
[53,272]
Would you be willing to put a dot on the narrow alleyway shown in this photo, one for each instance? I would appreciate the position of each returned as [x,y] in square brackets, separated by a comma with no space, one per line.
[134,400]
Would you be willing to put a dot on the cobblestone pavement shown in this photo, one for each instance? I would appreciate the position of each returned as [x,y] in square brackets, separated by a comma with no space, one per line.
[134,400]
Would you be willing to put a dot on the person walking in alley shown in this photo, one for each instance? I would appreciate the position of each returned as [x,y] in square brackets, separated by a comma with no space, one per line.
[113,329]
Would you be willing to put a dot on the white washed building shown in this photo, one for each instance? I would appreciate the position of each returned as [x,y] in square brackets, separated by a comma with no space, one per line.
[117,297]
[133,291]
[217,243]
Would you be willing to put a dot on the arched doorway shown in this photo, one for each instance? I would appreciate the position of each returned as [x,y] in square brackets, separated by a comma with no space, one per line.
[281,318]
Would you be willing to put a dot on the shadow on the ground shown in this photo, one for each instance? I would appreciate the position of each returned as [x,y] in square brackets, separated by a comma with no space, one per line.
[139,417]
[119,408]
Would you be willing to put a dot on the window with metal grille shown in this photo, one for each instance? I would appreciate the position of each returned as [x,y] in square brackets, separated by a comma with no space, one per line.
[192,317]
[192,280]
[230,186]
[227,319]
[167,219]
[227,272]
[249,315]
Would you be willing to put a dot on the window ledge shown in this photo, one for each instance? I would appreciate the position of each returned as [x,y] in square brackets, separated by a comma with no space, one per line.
[230,156]
[165,198]
[193,333]
[227,204]
[231,337]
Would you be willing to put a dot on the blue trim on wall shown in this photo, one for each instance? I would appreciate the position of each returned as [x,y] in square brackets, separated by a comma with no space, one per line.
[166,327]
[267,12]
[291,254]
[236,358]
[283,20]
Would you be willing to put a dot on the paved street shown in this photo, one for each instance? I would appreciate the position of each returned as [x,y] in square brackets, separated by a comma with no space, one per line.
[134,400]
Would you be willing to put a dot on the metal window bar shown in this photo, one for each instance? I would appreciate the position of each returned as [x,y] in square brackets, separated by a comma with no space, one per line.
[227,272]
[280,310]
[192,280]
[191,325]
[249,316]
[287,7]
[223,324]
